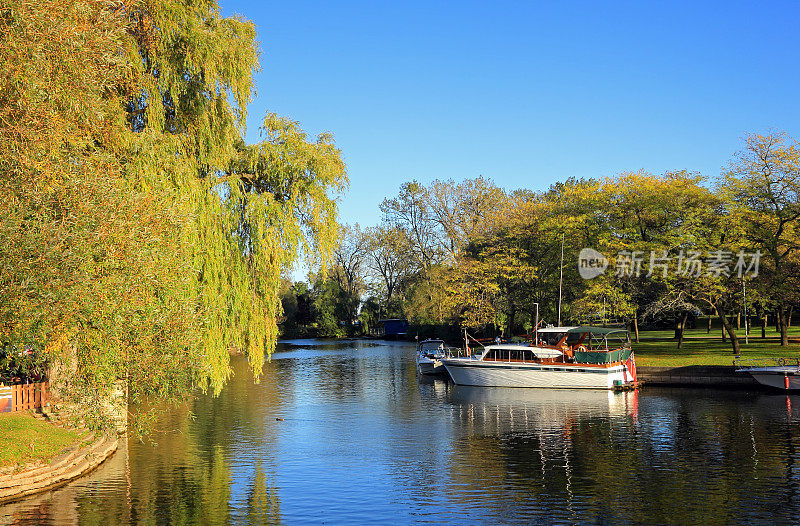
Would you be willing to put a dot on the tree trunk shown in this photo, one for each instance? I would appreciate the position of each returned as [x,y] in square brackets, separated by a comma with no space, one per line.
[683,329]
[636,327]
[789,318]
[727,326]
[722,326]
[677,328]
[709,325]
[738,320]
[762,317]
[783,325]
[764,327]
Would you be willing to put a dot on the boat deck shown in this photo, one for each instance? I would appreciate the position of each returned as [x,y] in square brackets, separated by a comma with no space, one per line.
[552,361]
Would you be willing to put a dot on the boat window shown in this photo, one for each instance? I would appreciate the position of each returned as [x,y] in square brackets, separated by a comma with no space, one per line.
[513,355]
[550,338]
[529,356]
[574,337]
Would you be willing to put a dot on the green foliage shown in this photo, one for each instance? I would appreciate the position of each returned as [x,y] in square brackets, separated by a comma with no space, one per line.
[20,365]
[92,274]
[326,293]
[761,192]
[274,201]
[510,260]
[140,237]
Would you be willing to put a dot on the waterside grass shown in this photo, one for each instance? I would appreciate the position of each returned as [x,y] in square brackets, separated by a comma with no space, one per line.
[24,439]
[659,348]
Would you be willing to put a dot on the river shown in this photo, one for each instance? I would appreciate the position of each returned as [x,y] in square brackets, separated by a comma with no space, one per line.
[345,432]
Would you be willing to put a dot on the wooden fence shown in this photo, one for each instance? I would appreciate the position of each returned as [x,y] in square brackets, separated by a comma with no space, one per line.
[24,397]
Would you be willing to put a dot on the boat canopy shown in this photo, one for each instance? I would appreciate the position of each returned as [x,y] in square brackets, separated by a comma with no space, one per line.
[599,331]
[551,330]
[509,346]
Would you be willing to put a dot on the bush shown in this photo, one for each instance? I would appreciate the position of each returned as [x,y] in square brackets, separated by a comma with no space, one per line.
[21,364]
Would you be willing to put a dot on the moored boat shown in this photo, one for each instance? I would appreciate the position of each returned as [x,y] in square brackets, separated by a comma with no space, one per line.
[429,357]
[561,357]
[779,373]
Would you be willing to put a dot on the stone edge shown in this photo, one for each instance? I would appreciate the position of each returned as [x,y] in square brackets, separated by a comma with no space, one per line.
[696,376]
[61,469]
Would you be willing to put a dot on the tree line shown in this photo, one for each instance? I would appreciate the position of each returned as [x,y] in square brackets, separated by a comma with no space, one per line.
[667,248]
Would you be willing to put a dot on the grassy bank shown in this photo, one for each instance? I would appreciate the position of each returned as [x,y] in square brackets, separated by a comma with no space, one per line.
[658,348]
[24,438]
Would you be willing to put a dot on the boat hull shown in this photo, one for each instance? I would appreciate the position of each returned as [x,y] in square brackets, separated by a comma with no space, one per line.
[781,377]
[431,367]
[502,374]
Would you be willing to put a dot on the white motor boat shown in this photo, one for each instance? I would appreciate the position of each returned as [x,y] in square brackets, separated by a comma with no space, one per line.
[779,373]
[429,357]
[562,357]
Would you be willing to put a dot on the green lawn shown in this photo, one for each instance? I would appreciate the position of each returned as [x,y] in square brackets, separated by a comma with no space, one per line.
[701,331]
[24,438]
[659,349]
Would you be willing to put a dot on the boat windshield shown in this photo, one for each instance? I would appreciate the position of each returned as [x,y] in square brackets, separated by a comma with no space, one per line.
[431,346]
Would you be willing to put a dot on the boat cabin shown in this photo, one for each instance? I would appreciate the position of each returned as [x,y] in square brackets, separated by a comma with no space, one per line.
[431,347]
[589,345]
[505,352]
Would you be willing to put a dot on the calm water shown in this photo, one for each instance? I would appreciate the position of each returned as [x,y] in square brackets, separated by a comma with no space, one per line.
[362,440]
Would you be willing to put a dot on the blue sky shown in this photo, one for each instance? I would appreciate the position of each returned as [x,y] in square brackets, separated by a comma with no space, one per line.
[524,93]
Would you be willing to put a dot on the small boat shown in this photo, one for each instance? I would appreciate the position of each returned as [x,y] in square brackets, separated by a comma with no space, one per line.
[429,357]
[778,373]
[562,357]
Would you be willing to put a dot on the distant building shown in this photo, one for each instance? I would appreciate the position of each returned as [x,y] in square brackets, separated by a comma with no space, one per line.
[394,328]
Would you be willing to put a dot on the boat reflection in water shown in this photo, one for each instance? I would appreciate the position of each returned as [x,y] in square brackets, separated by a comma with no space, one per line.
[497,410]
[527,453]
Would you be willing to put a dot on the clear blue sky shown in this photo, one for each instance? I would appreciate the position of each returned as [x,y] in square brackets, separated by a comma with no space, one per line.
[525,93]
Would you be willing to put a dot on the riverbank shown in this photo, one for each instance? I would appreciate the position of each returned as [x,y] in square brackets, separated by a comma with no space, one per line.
[701,351]
[696,376]
[36,455]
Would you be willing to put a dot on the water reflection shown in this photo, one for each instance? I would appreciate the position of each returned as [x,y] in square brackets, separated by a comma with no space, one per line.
[347,432]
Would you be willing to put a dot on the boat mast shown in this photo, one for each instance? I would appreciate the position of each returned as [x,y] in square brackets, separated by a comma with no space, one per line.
[560,279]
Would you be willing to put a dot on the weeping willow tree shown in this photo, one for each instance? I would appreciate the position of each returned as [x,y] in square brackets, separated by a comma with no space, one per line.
[272,203]
[254,206]
[142,239]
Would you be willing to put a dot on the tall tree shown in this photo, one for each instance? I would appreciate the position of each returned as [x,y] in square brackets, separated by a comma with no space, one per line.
[761,189]
[349,269]
[94,272]
[255,205]
[411,213]
[462,210]
[388,260]
[142,238]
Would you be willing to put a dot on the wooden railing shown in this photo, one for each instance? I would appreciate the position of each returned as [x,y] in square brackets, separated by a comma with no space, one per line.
[24,397]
